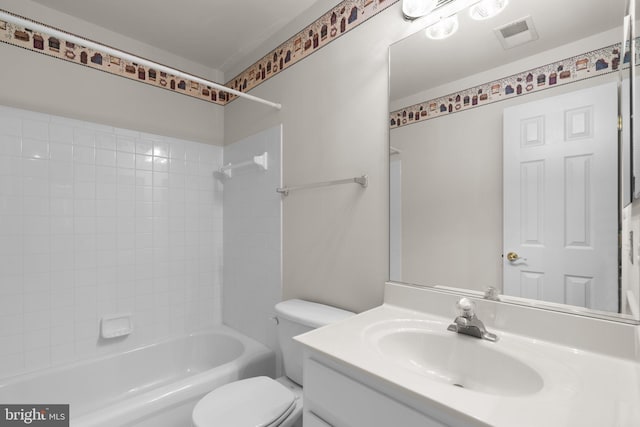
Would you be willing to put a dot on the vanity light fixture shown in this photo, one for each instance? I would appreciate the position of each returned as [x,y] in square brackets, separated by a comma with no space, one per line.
[442,29]
[486,9]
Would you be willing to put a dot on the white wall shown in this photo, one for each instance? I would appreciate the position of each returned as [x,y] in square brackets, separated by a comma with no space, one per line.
[252,237]
[96,220]
[452,199]
[41,83]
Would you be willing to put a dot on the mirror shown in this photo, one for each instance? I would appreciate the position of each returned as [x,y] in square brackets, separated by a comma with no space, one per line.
[504,158]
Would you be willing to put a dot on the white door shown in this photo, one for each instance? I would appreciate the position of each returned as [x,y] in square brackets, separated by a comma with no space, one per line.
[560,199]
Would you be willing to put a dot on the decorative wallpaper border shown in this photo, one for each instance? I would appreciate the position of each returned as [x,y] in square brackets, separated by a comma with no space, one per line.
[341,19]
[70,52]
[577,68]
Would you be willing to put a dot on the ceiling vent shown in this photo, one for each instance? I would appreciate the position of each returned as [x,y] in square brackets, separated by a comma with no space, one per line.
[516,33]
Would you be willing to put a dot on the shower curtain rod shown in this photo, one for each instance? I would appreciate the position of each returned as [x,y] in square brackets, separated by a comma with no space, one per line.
[35,26]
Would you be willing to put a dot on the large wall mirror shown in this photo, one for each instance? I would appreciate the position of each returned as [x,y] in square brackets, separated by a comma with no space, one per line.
[507,167]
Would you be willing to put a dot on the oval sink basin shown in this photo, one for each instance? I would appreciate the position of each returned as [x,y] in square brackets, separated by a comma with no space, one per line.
[459,360]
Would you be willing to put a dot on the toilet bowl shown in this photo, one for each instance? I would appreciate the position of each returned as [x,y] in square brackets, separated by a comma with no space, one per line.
[262,401]
[255,402]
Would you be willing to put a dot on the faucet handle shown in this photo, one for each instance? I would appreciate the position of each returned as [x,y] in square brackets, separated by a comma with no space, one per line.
[466,307]
[492,294]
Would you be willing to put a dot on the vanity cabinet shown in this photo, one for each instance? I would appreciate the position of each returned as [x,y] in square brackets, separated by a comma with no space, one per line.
[395,365]
[334,398]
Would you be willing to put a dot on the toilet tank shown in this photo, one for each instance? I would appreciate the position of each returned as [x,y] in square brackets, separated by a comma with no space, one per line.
[296,317]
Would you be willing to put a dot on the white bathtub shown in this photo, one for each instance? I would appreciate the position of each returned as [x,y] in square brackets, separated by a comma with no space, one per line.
[155,385]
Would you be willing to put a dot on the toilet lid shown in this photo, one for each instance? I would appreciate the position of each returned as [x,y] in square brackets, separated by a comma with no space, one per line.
[254,402]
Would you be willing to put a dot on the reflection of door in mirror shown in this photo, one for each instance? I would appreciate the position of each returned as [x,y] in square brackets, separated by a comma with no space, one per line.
[560,198]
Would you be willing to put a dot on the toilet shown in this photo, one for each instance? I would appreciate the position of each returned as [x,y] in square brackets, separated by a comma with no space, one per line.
[262,401]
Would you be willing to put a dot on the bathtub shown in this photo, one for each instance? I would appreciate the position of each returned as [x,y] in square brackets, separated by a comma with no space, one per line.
[156,385]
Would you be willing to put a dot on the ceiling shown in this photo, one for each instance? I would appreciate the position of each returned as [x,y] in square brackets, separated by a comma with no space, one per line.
[215,33]
[418,63]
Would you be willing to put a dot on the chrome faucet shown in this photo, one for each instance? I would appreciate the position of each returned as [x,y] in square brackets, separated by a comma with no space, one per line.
[468,323]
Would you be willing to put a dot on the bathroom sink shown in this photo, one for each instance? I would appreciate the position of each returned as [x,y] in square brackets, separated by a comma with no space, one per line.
[459,360]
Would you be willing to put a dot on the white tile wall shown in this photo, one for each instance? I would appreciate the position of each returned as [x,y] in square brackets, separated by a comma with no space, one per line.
[97,220]
[252,237]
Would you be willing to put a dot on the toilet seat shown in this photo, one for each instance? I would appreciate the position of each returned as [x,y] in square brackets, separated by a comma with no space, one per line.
[254,402]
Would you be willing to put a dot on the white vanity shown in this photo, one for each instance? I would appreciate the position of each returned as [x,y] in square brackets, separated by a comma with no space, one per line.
[398,365]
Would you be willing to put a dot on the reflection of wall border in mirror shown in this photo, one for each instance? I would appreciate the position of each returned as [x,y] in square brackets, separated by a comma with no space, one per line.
[577,68]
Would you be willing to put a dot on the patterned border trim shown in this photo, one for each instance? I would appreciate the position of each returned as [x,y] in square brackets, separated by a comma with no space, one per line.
[344,17]
[61,49]
[591,64]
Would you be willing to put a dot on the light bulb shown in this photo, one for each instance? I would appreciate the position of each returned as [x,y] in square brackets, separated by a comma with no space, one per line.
[413,9]
[486,9]
[443,28]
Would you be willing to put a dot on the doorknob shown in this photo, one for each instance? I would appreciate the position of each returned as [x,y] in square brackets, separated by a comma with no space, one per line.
[512,257]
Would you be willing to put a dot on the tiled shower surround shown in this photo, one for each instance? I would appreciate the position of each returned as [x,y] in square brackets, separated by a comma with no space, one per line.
[96,220]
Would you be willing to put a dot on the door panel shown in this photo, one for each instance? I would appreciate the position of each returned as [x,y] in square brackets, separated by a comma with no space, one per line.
[560,199]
